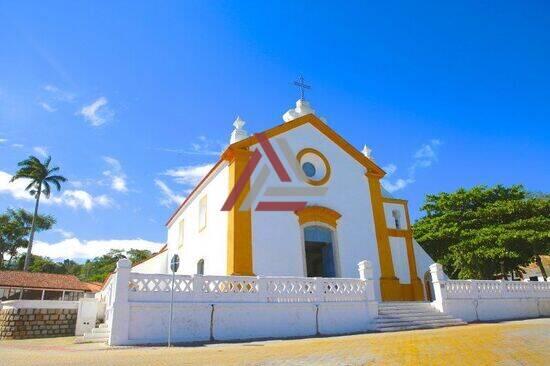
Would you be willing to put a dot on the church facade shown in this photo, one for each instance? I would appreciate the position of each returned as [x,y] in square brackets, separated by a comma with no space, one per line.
[296,200]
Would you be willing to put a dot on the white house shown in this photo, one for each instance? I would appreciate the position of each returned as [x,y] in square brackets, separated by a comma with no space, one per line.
[312,206]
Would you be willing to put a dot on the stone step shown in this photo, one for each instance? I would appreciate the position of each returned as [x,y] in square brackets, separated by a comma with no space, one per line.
[397,320]
[419,326]
[417,307]
[101,331]
[407,314]
[84,339]
[96,335]
[418,322]
[103,325]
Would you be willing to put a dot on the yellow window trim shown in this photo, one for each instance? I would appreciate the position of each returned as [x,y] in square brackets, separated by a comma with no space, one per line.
[326,177]
[318,214]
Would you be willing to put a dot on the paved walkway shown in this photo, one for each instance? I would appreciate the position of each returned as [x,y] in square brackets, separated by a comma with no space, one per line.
[510,343]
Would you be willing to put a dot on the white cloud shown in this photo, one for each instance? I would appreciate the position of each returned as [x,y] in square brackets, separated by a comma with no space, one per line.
[81,199]
[424,157]
[58,94]
[3,141]
[16,189]
[65,234]
[72,198]
[189,175]
[97,113]
[74,248]
[169,197]
[47,107]
[40,150]
[115,174]
[17,145]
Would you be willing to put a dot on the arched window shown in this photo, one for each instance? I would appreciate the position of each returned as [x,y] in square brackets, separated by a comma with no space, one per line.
[397,218]
[200,267]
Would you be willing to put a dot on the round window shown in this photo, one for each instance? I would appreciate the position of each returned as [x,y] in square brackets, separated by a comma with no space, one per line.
[309,169]
[314,165]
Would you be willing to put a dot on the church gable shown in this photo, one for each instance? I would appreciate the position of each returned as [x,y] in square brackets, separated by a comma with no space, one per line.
[311,120]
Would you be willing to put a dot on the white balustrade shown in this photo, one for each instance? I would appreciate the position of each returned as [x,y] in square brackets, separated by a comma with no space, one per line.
[486,289]
[149,287]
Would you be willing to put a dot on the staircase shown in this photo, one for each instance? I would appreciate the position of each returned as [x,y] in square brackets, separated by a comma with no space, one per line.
[396,316]
[99,334]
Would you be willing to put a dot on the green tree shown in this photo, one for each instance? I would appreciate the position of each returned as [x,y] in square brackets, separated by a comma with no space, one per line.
[15,227]
[485,231]
[138,255]
[41,176]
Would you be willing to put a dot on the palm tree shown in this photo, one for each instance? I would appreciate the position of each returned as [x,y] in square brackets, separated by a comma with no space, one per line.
[41,177]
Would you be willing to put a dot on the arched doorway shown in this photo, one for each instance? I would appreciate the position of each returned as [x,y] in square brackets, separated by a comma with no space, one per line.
[319,251]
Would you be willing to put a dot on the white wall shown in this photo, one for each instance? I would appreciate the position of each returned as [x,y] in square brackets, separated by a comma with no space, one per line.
[210,243]
[400,259]
[156,264]
[277,243]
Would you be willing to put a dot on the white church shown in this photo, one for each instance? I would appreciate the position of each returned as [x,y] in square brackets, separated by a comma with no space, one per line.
[304,203]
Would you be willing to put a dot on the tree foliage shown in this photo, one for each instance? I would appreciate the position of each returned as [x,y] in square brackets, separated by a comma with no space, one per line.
[92,270]
[484,232]
[41,177]
[15,228]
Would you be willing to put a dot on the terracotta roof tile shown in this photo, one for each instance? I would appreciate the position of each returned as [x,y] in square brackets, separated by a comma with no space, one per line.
[41,280]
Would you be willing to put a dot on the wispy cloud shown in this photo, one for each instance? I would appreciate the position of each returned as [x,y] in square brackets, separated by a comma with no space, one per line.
[18,146]
[77,249]
[189,175]
[3,141]
[201,146]
[40,150]
[424,157]
[58,94]
[75,198]
[97,113]
[47,107]
[169,197]
[64,233]
[115,174]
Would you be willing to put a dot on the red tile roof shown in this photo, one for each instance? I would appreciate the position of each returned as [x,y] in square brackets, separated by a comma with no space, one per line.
[41,280]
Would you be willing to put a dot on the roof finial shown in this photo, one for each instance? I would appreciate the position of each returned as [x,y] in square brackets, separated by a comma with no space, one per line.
[302,85]
[238,133]
[367,152]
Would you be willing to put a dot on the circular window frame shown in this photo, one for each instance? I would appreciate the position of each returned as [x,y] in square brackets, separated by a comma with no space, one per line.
[314,182]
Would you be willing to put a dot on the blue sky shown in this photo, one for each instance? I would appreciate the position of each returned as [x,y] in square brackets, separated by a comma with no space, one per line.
[134,100]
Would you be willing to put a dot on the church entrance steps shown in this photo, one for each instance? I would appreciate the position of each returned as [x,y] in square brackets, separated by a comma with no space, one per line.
[396,316]
[99,334]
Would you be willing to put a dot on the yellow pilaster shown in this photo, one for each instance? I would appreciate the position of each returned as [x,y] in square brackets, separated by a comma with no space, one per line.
[239,225]
[389,284]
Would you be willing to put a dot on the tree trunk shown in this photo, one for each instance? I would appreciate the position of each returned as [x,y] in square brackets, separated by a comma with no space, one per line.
[538,261]
[31,237]
[503,271]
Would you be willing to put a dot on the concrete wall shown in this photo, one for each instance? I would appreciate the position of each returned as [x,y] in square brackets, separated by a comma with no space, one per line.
[209,243]
[482,300]
[200,322]
[157,264]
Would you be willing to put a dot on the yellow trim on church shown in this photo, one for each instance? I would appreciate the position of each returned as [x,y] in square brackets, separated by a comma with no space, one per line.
[414,290]
[318,214]
[239,223]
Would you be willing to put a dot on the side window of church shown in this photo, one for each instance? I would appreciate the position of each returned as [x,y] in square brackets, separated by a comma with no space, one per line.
[200,267]
[396,216]
[202,213]
[180,236]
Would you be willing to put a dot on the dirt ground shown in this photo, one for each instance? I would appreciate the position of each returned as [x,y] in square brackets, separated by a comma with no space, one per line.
[524,342]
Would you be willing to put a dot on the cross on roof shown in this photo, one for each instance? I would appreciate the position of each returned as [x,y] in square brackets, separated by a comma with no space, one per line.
[302,85]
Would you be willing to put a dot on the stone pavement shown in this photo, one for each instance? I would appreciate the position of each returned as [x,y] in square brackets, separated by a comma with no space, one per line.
[524,342]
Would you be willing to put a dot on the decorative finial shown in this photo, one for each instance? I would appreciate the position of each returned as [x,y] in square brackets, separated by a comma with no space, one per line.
[239,123]
[367,151]
[238,133]
[302,85]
